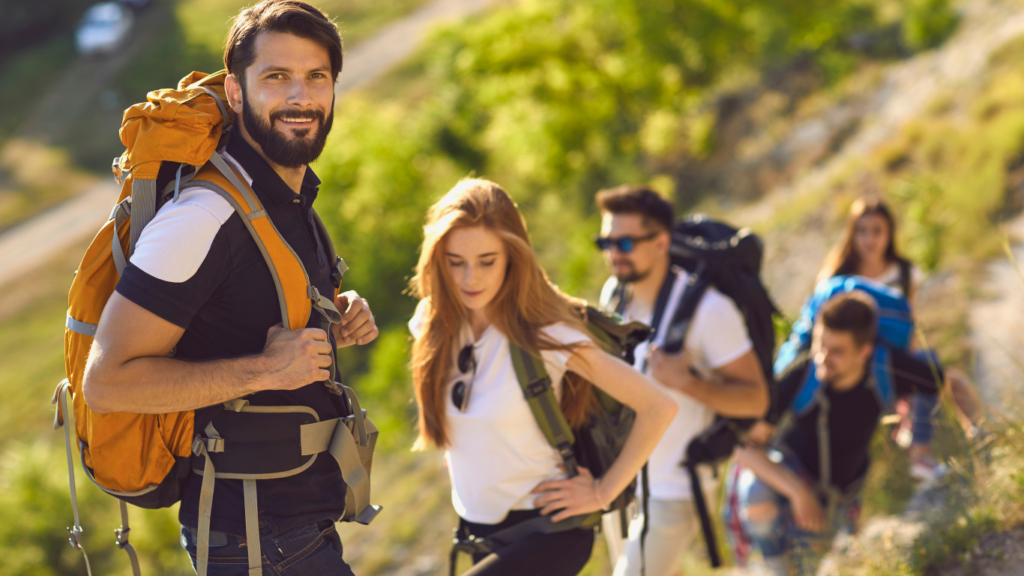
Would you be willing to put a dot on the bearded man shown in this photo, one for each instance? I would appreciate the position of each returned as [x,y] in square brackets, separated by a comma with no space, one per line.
[197,288]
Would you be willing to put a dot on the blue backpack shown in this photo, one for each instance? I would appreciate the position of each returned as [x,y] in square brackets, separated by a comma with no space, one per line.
[895,327]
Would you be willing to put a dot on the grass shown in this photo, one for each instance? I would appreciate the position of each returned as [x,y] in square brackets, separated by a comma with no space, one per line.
[25,76]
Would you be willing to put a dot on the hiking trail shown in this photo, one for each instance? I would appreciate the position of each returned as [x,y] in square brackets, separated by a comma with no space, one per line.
[996,318]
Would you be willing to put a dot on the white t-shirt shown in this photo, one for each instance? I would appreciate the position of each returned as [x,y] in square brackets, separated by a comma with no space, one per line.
[717,336]
[497,453]
[891,277]
[190,225]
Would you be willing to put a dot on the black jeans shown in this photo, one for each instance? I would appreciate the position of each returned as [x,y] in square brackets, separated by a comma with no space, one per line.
[558,554]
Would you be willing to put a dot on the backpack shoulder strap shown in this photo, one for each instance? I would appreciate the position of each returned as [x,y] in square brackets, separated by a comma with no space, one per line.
[881,377]
[620,299]
[289,274]
[540,395]
[661,304]
[806,397]
[295,294]
[339,266]
[613,296]
[906,276]
[679,324]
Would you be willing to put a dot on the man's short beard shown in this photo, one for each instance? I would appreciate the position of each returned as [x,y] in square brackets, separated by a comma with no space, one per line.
[632,276]
[278,148]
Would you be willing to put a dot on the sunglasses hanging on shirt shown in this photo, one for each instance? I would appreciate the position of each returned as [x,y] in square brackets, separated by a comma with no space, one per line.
[462,388]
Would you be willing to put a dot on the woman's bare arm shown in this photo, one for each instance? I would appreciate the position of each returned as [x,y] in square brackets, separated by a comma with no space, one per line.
[654,412]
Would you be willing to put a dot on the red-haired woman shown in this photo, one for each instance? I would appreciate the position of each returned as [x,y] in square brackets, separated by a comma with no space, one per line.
[480,288]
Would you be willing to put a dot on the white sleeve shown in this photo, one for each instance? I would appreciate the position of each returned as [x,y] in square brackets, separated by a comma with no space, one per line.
[565,335]
[607,291]
[419,319]
[175,243]
[718,334]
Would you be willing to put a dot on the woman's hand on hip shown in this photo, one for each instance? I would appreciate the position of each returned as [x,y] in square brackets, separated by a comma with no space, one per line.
[570,497]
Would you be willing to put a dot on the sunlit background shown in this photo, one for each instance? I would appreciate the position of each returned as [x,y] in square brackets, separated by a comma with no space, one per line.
[774,114]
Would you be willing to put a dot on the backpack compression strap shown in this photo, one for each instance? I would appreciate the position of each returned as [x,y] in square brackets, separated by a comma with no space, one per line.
[540,395]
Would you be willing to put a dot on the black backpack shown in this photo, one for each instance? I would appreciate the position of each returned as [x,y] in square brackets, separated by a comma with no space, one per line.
[716,255]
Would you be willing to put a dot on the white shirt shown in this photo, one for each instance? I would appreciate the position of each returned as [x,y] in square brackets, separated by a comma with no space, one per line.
[891,277]
[497,453]
[178,238]
[717,336]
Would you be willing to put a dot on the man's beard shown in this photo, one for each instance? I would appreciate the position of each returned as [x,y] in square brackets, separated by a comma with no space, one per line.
[631,276]
[276,146]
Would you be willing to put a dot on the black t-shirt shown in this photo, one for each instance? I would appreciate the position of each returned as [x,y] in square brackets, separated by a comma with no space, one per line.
[226,301]
[853,416]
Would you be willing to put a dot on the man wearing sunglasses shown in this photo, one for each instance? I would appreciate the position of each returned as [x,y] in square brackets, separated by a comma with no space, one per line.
[717,372]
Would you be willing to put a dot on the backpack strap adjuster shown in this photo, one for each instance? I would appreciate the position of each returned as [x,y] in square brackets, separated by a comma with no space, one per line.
[122,537]
[338,274]
[538,387]
[74,535]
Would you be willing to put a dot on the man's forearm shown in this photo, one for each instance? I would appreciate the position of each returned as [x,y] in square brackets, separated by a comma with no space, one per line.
[731,398]
[780,478]
[158,385]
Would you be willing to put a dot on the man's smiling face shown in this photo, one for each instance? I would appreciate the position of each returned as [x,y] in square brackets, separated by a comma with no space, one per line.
[287,98]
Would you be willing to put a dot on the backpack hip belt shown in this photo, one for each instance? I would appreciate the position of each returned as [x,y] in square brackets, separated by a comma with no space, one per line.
[251,443]
[539,525]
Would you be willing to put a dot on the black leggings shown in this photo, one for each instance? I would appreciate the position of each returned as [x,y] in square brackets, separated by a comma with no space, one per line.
[558,554]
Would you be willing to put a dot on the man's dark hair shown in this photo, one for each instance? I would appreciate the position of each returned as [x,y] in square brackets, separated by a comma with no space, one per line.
[852,312]
[287,16]
[638,200]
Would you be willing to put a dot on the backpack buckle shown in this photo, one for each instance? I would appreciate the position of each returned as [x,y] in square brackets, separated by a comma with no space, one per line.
[73,537]
[338,274]
[568,459]
[214,445]
[538,387]
[122,537]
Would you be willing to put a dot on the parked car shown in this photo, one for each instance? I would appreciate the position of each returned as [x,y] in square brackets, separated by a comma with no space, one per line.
[136,4]
[104,27]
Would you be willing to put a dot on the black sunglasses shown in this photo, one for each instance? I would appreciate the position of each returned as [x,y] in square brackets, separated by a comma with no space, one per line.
[461,390]
[624,244]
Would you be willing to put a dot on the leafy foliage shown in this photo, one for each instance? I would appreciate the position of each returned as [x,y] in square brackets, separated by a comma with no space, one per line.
[553,100]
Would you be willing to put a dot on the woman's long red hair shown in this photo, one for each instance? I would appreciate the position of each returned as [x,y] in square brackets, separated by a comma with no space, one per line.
[525,303]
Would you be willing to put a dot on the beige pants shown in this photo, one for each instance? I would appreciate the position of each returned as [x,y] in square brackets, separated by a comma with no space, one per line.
[673,527]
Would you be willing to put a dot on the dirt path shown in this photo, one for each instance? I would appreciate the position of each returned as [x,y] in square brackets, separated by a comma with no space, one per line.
[997,325]
[996,319]
[904,92]
[27,245]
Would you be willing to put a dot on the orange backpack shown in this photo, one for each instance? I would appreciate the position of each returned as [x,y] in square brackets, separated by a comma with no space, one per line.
[144,459]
